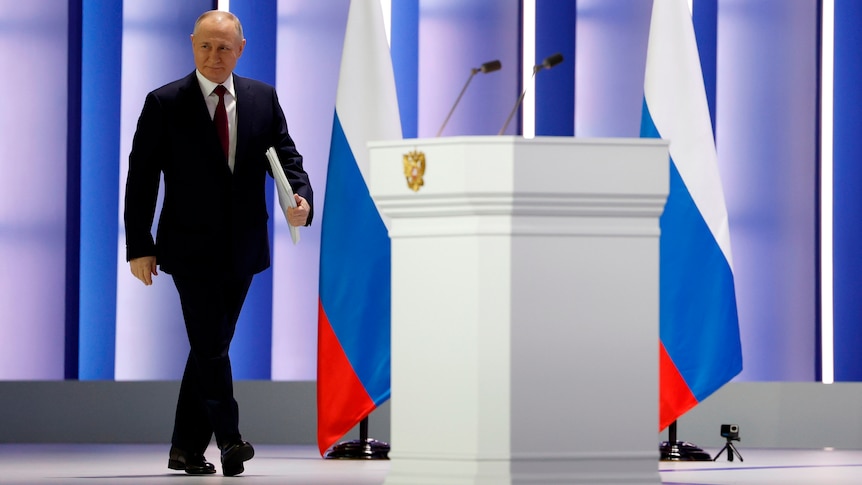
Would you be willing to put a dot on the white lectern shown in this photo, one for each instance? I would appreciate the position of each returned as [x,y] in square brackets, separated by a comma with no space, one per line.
[524,308]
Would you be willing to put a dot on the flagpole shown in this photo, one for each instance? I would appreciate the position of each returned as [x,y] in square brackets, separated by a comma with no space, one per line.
[361,449]
[673,450]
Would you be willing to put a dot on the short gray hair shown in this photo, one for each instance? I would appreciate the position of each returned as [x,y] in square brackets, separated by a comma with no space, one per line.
[222,13]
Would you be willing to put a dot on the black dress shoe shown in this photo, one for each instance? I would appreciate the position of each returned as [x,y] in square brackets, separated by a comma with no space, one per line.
[191,463]
[233,456]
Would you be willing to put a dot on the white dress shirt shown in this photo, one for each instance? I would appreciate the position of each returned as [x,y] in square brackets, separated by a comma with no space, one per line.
[207,88]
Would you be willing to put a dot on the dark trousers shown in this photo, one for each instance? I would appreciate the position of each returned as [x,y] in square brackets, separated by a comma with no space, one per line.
[206,405]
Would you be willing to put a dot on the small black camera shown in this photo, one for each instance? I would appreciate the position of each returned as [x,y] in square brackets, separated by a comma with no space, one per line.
[730,431]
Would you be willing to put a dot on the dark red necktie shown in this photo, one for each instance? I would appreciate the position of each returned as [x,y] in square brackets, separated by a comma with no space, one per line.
[220,119]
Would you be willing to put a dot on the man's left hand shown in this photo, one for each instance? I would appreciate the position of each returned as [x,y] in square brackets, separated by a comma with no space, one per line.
[298,216]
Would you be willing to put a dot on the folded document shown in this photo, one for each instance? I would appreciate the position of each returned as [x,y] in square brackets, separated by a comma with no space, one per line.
[285,192]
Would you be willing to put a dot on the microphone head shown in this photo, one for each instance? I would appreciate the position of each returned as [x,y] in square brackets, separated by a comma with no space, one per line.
[490,66]
[552,60]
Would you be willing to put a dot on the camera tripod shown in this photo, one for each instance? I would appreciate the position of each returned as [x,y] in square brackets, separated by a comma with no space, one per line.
[731,450]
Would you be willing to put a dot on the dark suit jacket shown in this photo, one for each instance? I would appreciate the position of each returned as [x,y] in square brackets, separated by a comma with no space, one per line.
[210,217]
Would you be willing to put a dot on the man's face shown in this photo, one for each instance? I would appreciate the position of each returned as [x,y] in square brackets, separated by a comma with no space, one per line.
[217,47]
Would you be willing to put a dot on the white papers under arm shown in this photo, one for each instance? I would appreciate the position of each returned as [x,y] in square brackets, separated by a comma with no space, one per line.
[285,192]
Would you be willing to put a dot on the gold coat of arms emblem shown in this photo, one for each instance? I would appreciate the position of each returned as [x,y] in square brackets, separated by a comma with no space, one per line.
[414,169]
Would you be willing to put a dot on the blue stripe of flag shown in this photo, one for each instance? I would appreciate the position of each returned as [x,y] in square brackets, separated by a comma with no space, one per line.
[698,319]
[355,273]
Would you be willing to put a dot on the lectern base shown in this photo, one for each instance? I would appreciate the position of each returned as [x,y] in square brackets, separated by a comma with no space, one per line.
[682,451]
[359,450]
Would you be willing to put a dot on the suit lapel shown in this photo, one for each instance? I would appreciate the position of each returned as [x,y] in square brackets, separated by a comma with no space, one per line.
[202,129]
[244,119]
[191,95]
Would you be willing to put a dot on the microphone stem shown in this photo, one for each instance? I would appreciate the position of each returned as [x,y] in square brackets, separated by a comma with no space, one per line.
[458,100]
[517,105]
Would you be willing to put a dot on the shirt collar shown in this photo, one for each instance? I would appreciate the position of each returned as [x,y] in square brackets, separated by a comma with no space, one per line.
[207,86]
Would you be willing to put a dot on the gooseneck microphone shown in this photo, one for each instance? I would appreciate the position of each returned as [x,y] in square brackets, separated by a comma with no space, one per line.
[547,63]
[487,67]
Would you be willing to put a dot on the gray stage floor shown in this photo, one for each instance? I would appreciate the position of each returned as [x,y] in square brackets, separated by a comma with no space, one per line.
[300,465]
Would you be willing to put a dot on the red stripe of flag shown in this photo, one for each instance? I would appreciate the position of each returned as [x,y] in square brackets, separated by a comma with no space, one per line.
[675,397]
[341,398]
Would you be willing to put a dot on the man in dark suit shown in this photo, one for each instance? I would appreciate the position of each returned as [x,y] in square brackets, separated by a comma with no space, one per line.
[210,145]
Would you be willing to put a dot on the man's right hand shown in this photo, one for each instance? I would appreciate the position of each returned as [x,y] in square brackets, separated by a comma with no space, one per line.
[144,268]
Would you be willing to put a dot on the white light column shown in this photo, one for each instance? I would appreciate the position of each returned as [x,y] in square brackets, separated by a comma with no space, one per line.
[826,126]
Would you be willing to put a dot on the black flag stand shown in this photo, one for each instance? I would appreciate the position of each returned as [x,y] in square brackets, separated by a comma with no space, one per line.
[362,449]
[673,450]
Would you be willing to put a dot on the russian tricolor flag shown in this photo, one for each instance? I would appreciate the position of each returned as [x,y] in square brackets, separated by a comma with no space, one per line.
[354,314]
[700,349]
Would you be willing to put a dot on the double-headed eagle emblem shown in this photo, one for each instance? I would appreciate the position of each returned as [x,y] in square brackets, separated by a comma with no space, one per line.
[414,169]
